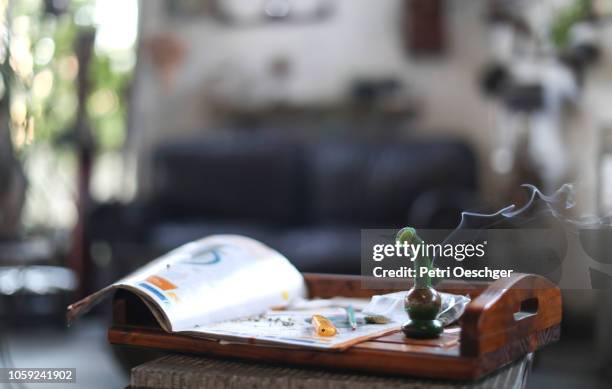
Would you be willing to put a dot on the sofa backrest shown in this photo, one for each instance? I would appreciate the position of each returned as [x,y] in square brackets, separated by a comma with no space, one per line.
[248,178]
[331,182]
[375,184]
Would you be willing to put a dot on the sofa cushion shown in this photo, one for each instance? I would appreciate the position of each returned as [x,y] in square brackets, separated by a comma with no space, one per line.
[168,235]
[374,185]
[228,178]
[329,249]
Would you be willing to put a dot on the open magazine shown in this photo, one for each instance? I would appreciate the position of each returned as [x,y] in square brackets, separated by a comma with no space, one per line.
[235,289]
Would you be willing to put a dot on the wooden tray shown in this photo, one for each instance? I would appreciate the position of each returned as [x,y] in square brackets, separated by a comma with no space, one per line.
[505,320]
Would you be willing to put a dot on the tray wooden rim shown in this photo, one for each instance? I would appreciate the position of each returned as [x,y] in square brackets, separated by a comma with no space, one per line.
[490,336]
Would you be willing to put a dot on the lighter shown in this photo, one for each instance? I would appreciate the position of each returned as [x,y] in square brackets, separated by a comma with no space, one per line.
[323,326]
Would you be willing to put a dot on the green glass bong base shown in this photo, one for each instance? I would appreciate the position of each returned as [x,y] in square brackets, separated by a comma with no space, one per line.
[422,306]
[422,329]
[423,302]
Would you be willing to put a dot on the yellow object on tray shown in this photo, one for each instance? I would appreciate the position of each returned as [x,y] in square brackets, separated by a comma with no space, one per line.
[323,326]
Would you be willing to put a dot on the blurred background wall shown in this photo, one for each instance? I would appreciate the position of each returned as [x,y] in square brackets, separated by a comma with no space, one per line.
[130,127]
[234,62]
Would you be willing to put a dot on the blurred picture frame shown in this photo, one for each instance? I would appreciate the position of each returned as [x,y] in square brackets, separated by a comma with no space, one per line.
[190,8]
[424,29]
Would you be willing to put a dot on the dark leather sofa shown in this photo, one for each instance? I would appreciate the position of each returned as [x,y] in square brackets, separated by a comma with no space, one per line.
[309,200]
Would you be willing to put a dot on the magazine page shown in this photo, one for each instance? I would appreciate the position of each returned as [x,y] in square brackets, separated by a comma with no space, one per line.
[218,278]
[295,328]
[234,288]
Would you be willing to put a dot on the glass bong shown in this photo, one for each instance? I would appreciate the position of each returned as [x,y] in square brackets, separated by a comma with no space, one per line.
[423,302]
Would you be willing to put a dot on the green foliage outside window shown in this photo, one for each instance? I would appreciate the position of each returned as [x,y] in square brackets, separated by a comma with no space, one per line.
[43,89]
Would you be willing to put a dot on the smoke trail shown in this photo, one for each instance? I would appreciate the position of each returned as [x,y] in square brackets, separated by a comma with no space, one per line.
[558,204]
[542,236]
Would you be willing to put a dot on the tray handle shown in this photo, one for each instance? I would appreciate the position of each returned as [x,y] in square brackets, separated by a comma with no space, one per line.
[519,313]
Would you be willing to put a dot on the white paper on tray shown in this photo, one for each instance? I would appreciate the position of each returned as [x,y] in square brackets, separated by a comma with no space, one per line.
[293,328]
[392,306]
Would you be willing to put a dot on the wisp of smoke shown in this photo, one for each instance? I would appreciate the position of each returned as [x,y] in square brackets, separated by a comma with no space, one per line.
[542,236]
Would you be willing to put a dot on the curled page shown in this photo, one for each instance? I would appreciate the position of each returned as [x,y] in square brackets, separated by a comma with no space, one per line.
[218,278]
